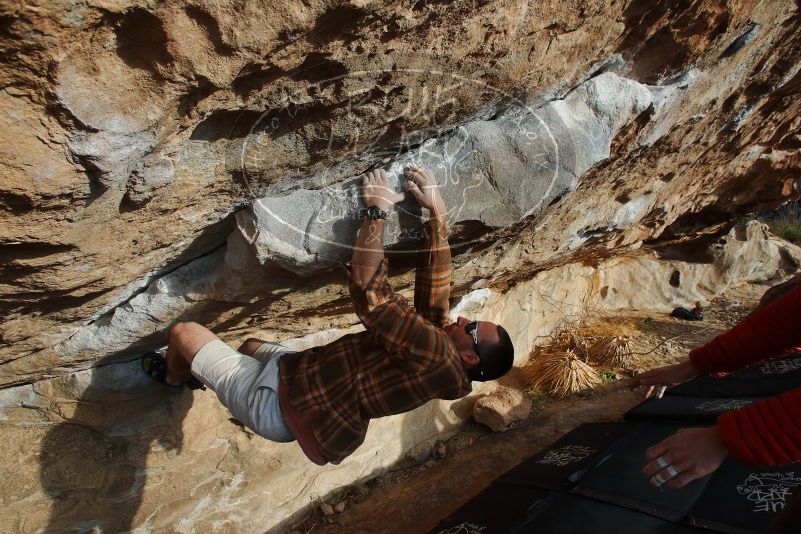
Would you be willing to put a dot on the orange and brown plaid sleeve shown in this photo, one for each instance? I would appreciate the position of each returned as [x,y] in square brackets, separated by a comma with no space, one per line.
[376,292]
[410,339]
[432,285]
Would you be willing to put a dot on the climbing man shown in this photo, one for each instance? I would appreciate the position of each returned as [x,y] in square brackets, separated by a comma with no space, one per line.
[324,397]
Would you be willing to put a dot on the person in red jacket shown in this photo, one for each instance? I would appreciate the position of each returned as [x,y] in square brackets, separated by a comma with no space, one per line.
[763,433]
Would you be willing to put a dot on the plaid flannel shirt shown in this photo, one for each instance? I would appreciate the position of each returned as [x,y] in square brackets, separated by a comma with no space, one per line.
[403,359]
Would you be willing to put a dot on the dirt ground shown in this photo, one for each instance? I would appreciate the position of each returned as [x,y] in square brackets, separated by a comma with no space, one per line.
[414,498]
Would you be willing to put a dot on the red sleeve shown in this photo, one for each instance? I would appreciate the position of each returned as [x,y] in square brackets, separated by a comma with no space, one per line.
[766,333]
[765,433]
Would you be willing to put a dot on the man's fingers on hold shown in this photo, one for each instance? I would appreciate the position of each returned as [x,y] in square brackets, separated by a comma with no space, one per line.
[416,177]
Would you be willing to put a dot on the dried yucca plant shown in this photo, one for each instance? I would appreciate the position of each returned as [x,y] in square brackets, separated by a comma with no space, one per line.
[613,351]
[559,374]
[565,340]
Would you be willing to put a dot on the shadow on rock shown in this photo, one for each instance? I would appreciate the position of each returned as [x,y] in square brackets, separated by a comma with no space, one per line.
[93,465]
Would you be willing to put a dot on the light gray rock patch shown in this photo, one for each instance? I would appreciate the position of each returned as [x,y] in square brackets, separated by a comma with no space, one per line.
[490,171]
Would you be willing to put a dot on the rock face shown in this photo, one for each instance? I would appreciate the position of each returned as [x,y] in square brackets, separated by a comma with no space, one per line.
[200,160]
[134,134]
[484,179]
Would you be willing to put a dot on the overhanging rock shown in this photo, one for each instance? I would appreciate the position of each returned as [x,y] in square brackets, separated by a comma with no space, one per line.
[494,172]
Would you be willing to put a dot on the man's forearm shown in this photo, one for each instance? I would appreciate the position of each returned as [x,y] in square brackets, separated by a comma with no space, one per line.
[438,210]
[369,250]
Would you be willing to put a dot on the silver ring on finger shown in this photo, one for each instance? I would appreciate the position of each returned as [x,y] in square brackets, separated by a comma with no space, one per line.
[671,471]
[661,462]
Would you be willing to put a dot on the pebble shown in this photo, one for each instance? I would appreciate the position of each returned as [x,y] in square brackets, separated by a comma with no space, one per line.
[339,507]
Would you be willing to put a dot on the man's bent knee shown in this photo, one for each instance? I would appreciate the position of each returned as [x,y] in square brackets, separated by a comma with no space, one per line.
[177,330]
[188,338]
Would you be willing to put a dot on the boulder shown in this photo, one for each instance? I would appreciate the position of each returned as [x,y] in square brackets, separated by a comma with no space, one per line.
[501,409]
[173,161]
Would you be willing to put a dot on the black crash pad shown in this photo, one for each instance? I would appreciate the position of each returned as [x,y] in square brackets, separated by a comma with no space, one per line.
[571,514]
[499,508]
[741,499]
[619,480]
[563,463]
[674,408]
[765,380]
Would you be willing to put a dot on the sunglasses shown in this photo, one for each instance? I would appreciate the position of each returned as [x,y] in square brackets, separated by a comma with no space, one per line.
[472,329]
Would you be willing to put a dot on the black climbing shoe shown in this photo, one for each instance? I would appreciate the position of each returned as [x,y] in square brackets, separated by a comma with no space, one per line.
[155,367]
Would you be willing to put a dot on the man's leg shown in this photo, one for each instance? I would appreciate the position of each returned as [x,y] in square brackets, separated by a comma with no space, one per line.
[185,340]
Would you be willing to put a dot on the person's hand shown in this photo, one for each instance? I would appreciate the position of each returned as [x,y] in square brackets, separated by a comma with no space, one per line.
[688,454]
[423,186]
[660,378]
[376,190]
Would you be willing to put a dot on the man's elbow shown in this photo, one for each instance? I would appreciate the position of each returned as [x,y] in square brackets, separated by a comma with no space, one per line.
[361,275]
[358,279]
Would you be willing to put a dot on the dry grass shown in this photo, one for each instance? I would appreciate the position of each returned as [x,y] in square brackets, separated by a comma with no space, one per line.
[565,340]
[612,351]
[560,364]
[559,374]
